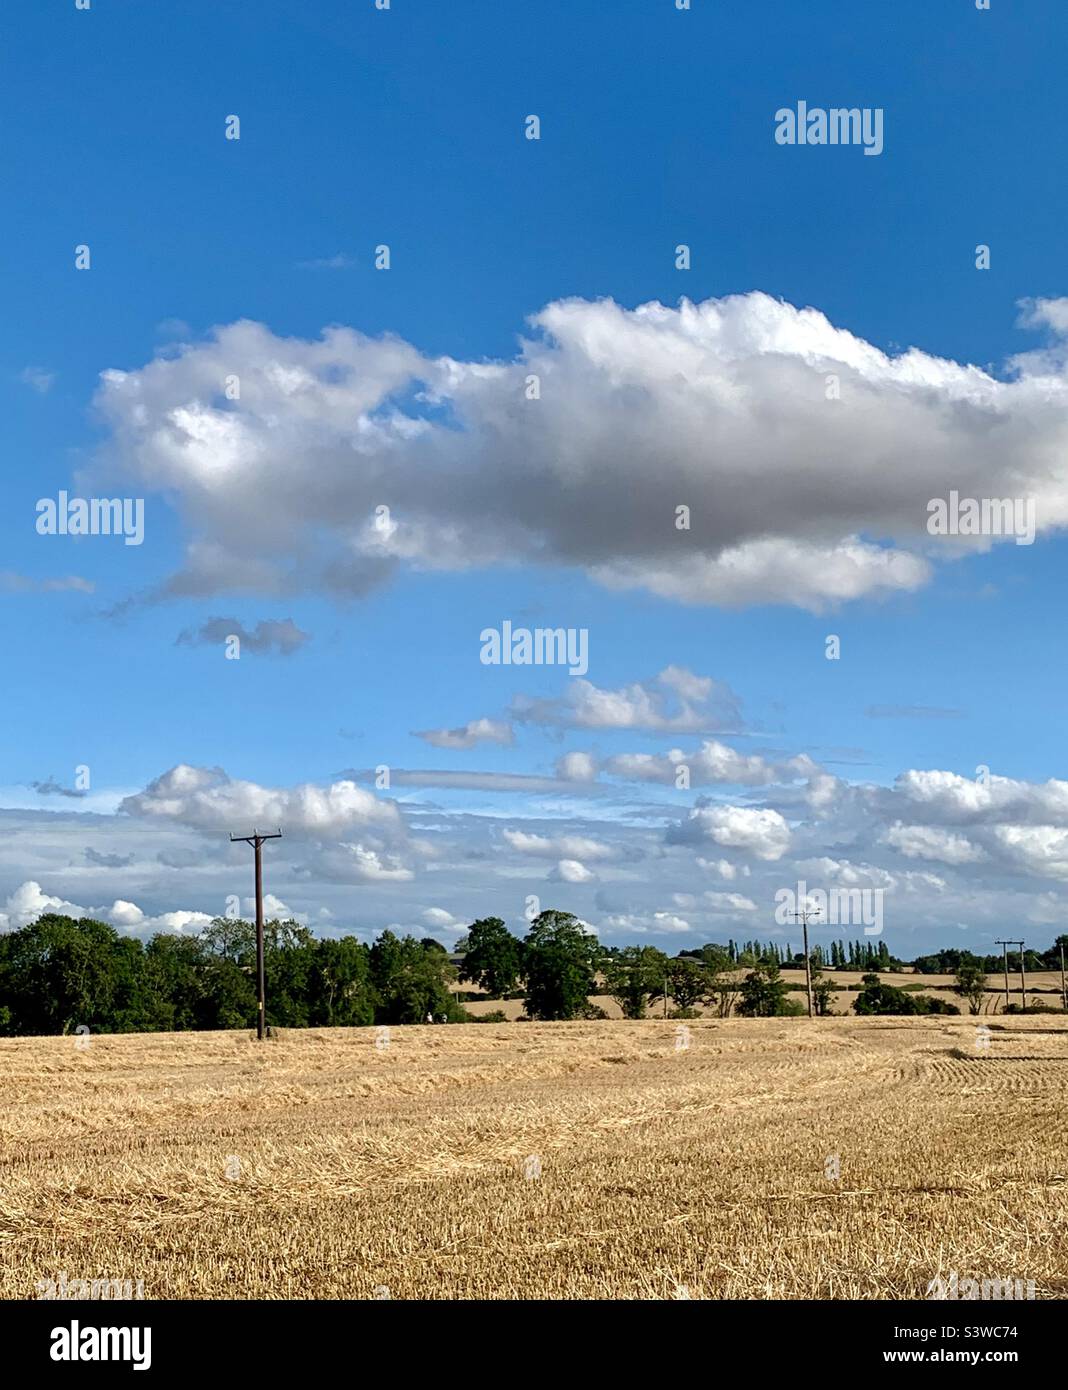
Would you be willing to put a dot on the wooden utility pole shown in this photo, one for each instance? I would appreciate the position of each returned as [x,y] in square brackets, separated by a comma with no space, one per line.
[1064,987]
[1005,957]
[256,841]
[1023,978]
[803,918]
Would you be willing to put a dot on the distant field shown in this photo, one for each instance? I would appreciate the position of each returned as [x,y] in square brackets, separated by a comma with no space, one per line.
[320,1166]
[1043,987]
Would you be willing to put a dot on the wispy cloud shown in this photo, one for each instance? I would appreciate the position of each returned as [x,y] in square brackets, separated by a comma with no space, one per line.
[675,701]
[273,636]
[53,788]
[11,583]
[910,712]
[468,735]
[338,262]
[38,378]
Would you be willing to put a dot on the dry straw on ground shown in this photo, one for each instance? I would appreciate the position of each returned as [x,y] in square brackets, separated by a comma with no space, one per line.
[672,1164]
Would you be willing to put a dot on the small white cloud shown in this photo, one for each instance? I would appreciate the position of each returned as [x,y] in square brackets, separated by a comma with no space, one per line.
[729,902]
[469,735]
[124,914]
[572,871]
[577,767]
[438,917]
[36,377]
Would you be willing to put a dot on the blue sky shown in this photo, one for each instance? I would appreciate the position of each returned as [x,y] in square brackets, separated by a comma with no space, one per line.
[406,127]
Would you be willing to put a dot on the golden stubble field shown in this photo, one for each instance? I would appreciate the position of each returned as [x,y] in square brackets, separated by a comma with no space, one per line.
[581,1160]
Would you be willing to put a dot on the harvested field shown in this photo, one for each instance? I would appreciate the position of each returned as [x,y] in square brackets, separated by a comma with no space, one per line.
[579,1160]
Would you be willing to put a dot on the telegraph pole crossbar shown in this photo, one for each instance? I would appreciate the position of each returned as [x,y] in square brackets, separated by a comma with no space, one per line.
[256,841]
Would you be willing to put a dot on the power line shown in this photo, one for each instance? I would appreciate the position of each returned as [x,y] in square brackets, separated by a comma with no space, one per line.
[256,841]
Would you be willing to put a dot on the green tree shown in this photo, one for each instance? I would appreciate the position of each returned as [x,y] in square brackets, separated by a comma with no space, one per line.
[970,983]
[764,993]
[823,992]
[634,976]
[721,974]
[559,962]
[411,981]
[877,998]
[175,984]
[59,974]
[289,967]
[229,994]
[342,993]
[687,982]
[493,958]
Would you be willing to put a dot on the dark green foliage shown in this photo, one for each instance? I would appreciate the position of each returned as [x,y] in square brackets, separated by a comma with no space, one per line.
[885,999]
[634,976]
[493,958]
[411,981]
[341,990]
[936,1006]
[823,991]
[688,982]
[764,993]
[58,975]
[559,961]
[970,983]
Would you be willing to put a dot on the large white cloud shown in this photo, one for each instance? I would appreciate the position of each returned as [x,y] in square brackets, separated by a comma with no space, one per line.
[796,493]
[932,842]
[210,800]
[29,901]
[939,795]
[761,831]
[1037,849]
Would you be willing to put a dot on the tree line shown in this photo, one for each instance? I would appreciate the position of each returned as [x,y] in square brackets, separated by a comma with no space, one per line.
[59,974]
[838,955]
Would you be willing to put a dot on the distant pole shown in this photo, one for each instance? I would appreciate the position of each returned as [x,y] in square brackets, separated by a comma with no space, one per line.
[1023,978]
[803,917]
[1005,957]
[1064,987]
[256,841]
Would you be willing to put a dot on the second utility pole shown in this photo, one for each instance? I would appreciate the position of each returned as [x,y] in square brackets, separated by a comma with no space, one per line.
[803,917]
[256,841]
[1023,982]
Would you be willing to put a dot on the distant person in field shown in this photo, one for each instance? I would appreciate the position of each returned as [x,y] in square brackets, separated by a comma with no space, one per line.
[429,1017]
